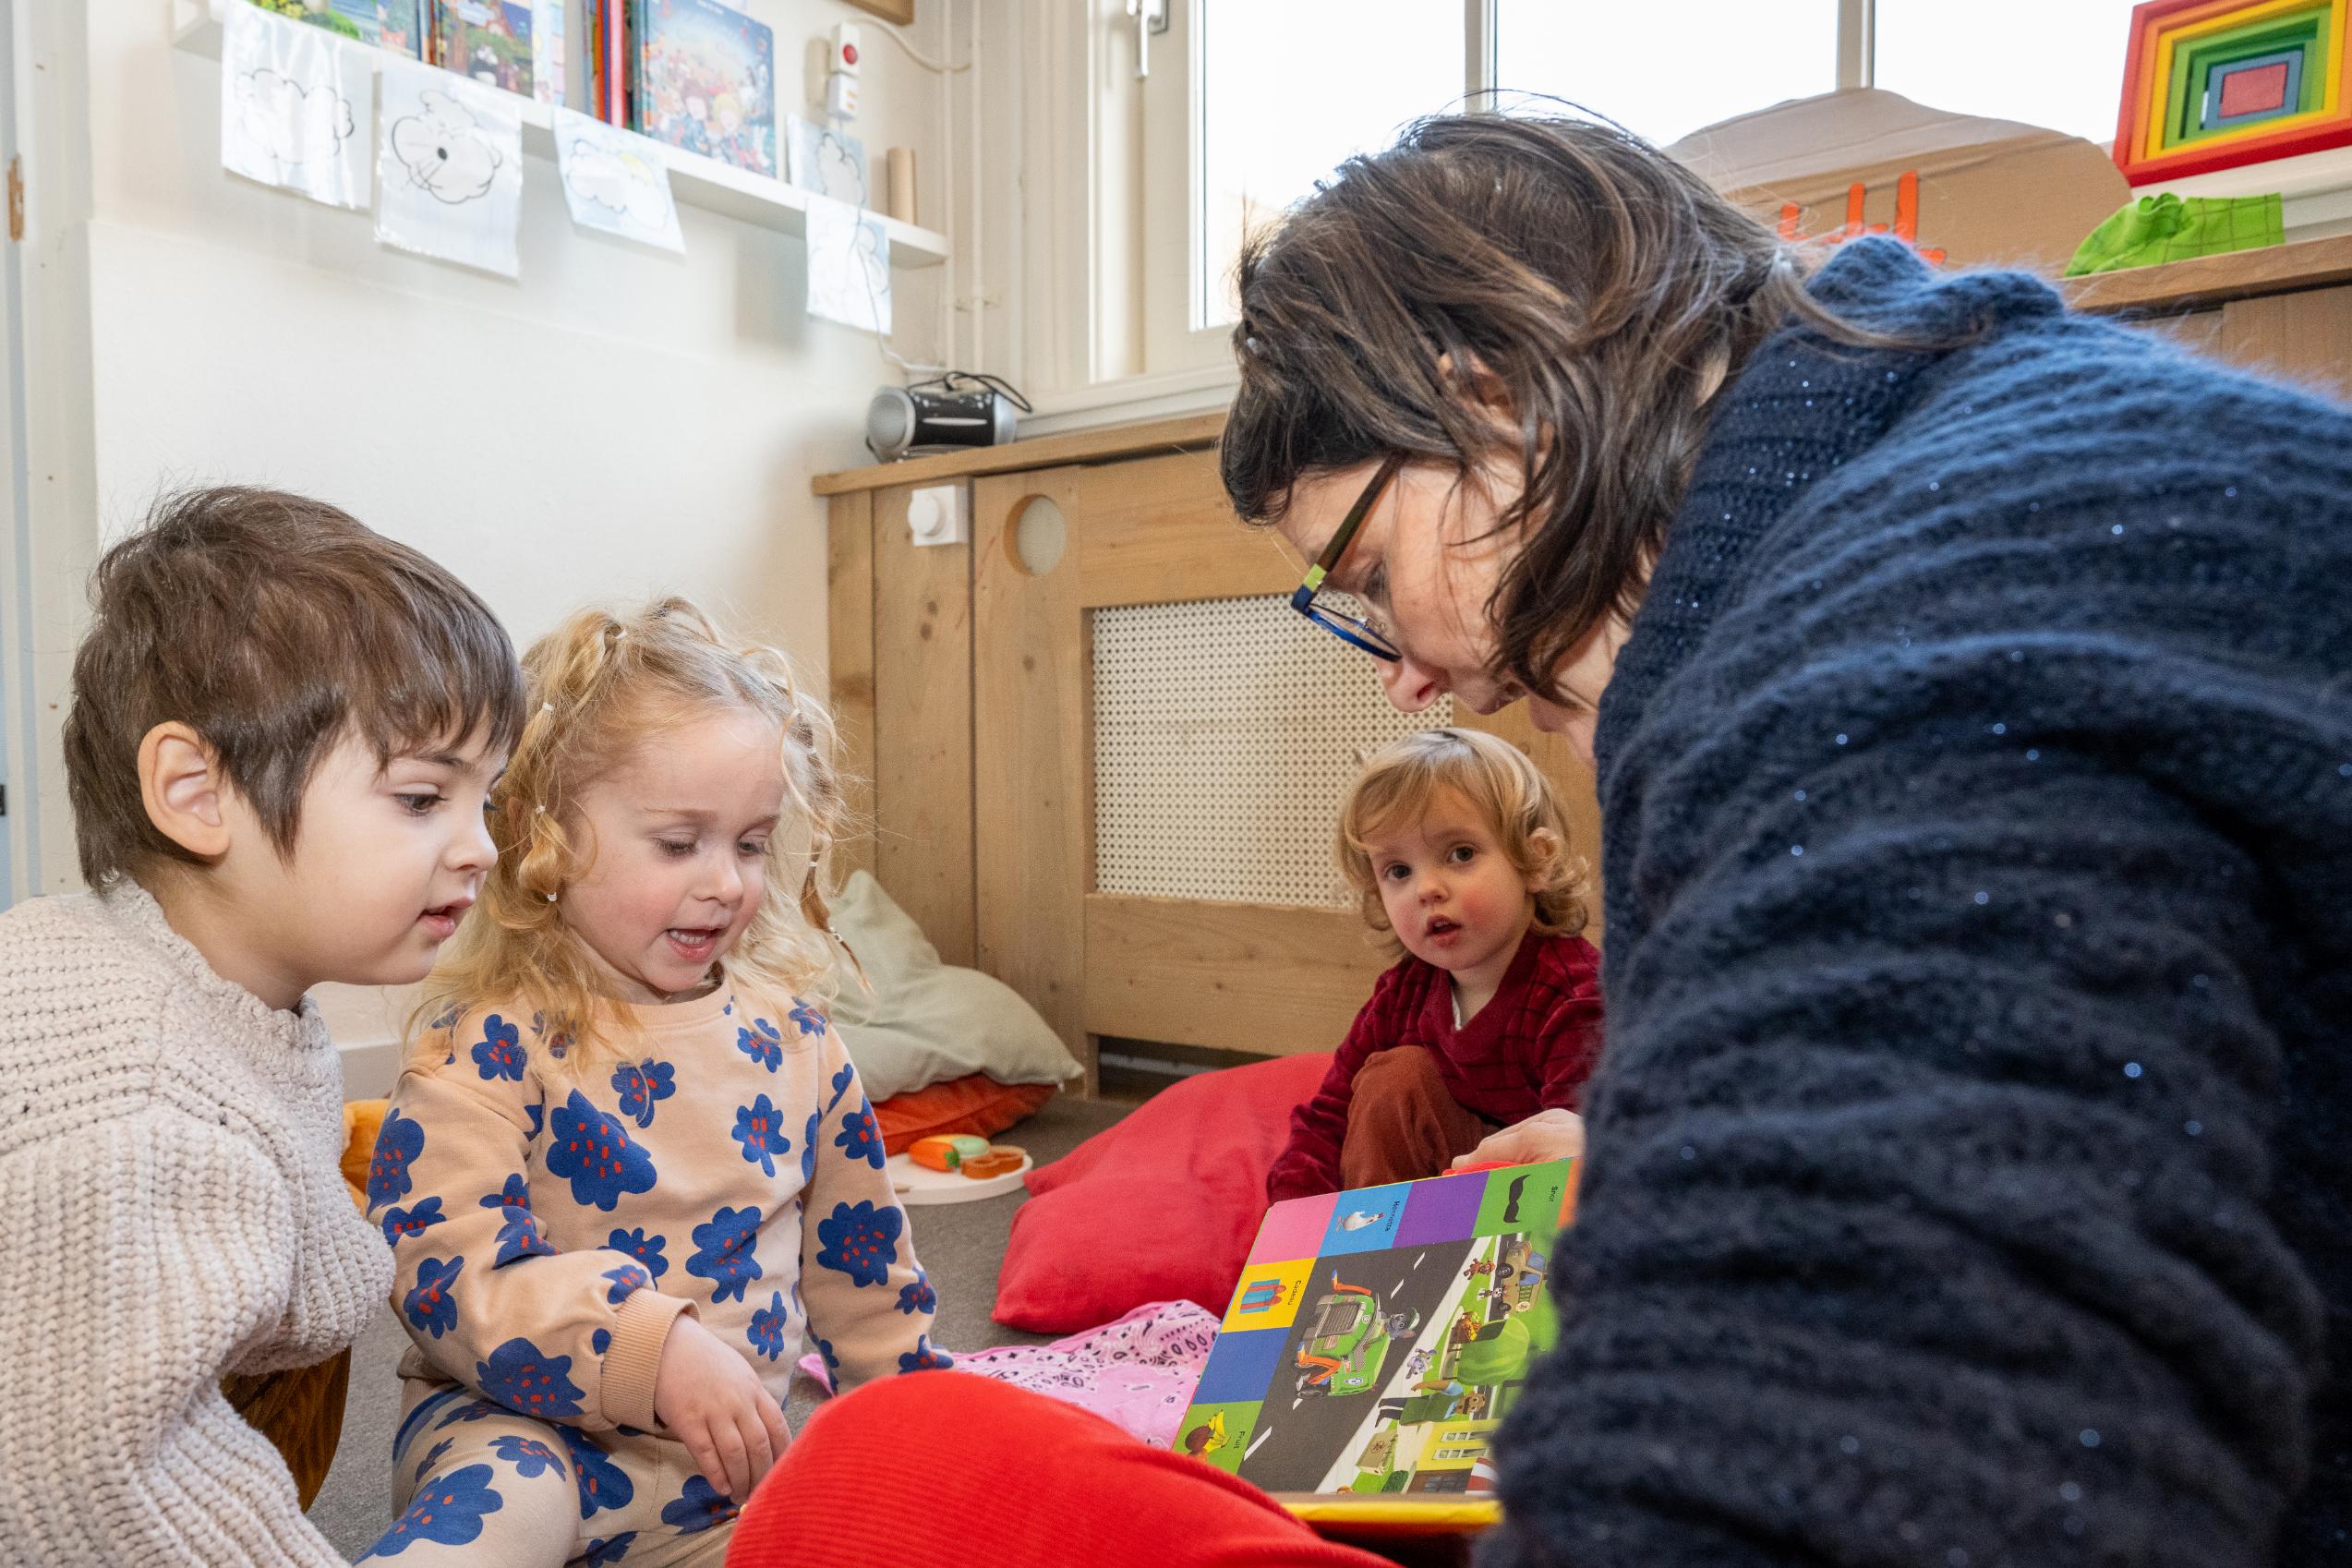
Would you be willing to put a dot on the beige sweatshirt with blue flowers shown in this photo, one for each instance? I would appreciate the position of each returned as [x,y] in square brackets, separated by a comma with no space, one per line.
[549,1224]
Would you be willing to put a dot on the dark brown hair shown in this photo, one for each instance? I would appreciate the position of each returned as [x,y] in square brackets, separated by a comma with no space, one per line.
[1597,281]
[271,625]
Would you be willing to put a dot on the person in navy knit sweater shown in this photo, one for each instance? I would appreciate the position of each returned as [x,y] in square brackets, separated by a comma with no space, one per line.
[1490,1021]
[1970,685]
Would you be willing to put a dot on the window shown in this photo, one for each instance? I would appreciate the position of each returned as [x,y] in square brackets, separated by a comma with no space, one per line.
[2055,63]
[1662,81]
[1248,103]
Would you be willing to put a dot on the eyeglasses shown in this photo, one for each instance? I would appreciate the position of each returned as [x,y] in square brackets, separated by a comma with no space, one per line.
[1351,630]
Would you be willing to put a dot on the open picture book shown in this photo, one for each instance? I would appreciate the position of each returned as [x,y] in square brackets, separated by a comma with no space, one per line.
[1376,1340]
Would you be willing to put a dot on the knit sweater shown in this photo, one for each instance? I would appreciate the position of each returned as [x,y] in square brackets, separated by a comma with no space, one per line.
[168,1175]
[1967,1178]
[551,1221]
[1529,1049]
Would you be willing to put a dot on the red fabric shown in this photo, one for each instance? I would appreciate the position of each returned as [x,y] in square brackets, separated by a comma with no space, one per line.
[1529,1049]
[1162,1207]
[942,1467]
[979,1105]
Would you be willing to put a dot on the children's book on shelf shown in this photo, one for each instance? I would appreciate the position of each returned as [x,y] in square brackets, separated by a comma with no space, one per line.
[397,25]
[485,41]
[706,81]
[1376,1340]
[548,62]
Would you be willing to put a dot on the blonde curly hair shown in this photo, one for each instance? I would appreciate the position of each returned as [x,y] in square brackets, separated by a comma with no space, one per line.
[1500,783]
[599,687]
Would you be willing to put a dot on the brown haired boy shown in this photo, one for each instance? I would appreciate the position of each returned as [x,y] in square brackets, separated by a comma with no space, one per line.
[283,731]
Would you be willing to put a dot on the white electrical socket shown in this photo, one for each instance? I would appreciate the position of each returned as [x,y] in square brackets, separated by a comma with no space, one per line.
[935,515]
[842,96]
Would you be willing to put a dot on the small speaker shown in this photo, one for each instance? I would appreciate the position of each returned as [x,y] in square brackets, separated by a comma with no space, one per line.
[907,420]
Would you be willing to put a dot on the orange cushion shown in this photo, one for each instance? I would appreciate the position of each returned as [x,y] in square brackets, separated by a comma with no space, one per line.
[978,1104]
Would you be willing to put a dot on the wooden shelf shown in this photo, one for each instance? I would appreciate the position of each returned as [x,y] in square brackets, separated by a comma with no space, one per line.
[694,181]
[2208,281]
[1182,432]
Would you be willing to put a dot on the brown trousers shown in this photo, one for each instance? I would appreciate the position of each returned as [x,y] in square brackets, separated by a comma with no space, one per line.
[1401,1124]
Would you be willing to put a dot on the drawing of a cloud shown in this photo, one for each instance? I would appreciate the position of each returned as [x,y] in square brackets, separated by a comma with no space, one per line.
[444,150]
[293,122]
[620,182]
[838,174]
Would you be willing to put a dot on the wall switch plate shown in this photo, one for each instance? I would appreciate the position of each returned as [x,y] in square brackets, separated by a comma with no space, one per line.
[936,515]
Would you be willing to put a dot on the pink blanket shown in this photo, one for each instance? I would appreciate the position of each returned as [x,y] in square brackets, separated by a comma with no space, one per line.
[1137,1373]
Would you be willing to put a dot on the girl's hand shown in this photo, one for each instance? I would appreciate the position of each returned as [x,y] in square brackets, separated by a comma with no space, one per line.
[712,1401]
[1547,1134]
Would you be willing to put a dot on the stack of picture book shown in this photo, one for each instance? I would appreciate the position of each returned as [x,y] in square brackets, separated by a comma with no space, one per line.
[693,73]
[1375,1342]
[513,46]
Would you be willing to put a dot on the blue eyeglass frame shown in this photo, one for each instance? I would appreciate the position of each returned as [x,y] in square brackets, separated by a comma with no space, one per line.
[1348,628]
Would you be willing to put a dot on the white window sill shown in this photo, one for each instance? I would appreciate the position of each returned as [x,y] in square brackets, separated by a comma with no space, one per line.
[1131,399]
[2317,188]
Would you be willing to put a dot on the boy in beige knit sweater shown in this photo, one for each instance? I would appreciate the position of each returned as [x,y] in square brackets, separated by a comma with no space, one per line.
[284,729]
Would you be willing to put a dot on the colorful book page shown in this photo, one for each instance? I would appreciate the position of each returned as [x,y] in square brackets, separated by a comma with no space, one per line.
[487,42]
[1379,1336]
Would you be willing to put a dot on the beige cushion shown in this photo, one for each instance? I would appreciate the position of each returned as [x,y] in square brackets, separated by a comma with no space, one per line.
[926,1022]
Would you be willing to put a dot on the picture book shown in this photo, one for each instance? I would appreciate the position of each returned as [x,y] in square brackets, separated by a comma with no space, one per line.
[705,81]
[1377,1339]
[397,25]
[486,41]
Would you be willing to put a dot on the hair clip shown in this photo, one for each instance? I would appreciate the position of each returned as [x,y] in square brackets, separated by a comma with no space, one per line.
[551,898]
[546,708]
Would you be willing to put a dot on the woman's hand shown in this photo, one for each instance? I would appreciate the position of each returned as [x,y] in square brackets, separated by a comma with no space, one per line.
[1547,1134]
[712,1401]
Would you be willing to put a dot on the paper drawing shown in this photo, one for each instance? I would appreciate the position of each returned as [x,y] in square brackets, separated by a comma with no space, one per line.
[829,161]
[451,161]
[849,266]
[292,104]
[616,182]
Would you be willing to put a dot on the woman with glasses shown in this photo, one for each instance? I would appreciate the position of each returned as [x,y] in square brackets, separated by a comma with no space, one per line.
[1969,687]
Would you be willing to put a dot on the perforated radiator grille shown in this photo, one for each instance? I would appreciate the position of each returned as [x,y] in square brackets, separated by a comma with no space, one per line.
[1225,733]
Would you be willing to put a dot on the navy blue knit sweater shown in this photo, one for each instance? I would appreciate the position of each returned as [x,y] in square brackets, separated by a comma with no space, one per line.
[1969,1173]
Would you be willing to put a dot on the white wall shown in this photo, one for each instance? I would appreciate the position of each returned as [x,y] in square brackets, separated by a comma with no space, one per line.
[618,423]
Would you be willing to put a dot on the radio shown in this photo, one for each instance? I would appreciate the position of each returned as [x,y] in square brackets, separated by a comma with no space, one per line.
[955,410]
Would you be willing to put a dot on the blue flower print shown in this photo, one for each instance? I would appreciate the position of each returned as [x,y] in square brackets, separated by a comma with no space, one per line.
[725,1257]
[560,1042]
[596,1153]
[539,1026]
[810,1021]
[767,1326]
[924,1359]
[600,1341]
[640,1084]
[728,1010]
[524,1378]
[759,1128]
[530,1457]
[645,1249]
[448,1017]
[413,1422]
[808,1147]
[600,1552]
[519,1236]
[537,1111]
[473,1411]
[399,1223]
[841,1082]
[500,1054]
[433,1457]
[398,1142]
[858,1137]
[625,1279]
[762,1042]
[861,1241]
[603,1484]
[832,1362]
[700,1507]
[918,1297]
[432,1306]
[450,1511]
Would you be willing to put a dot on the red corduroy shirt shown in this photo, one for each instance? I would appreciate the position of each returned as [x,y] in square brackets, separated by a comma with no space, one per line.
[1529,1049]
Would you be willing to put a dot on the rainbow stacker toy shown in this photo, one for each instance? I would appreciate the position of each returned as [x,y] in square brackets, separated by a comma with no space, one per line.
[2214,84]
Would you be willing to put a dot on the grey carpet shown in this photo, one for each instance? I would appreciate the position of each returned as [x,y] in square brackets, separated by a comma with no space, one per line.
[961,1245]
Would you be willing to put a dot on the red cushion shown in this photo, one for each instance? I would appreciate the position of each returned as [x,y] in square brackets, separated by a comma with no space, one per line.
[1162,1207]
